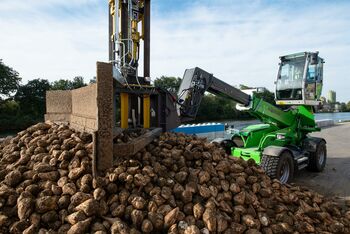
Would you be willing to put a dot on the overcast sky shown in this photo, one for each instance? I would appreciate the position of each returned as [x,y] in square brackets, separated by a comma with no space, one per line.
[238,41]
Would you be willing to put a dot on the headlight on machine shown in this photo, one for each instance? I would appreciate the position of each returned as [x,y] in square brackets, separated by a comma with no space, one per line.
[280,136]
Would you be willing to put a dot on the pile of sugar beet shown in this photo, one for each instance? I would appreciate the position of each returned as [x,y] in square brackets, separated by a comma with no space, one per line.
[177,184]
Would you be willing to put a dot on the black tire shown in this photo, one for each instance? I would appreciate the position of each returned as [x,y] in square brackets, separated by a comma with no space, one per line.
[281,167]
[227,145]
[317,160]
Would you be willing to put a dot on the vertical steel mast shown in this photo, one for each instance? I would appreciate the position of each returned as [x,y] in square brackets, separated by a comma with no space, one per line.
[129,26]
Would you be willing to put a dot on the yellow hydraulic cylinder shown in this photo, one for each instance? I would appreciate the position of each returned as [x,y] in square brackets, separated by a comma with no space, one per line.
[112,12]
[135,38]
[124,110]
[146,111]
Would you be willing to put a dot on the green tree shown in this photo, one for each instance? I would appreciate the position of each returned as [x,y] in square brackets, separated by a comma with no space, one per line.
[267,96]
[31,97]
[77,82]
[9,107]
[207,109]
[214,108]
[93,80]
[343,107]
[9,80]
[169,83]
[348,106]
[63,84]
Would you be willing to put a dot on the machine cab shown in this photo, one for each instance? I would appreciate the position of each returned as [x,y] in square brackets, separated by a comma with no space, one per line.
[299,80]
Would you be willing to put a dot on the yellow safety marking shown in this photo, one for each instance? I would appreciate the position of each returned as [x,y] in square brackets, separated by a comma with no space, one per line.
[124,110]
[146,111]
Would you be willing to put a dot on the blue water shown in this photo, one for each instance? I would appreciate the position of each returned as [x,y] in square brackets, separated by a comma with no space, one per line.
[338,117]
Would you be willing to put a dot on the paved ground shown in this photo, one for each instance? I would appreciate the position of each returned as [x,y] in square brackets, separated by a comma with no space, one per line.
[335,179]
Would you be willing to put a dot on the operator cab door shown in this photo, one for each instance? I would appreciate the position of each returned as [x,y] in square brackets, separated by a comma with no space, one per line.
[314,79]
[289,85]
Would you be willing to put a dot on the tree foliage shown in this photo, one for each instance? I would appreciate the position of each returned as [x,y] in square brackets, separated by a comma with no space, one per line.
[9,107]
[63,84]
[24,104]
[93,80]
[214,108]
[9,80]
[78,82]
[267,96]
[343,107]
[31,97]
[348,106]
[171,84]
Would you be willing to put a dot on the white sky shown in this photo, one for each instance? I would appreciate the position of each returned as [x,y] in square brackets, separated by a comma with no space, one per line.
[237,41]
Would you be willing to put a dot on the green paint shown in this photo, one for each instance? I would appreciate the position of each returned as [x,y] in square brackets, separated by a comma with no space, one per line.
[247,153]
[292,126]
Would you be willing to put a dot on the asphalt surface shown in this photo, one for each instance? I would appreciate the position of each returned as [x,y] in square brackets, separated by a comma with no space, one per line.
[335,179]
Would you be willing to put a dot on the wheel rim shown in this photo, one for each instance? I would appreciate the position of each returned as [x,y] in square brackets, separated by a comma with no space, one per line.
[284,172]
[321,157]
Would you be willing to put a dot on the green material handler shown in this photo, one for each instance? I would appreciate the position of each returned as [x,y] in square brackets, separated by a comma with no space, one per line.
[281,144]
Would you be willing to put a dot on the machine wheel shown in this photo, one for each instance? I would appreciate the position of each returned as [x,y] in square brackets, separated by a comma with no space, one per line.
[281,167]
[227,145]
[318,159]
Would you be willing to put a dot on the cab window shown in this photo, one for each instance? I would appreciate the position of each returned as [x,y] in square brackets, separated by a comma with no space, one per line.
[311,73]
